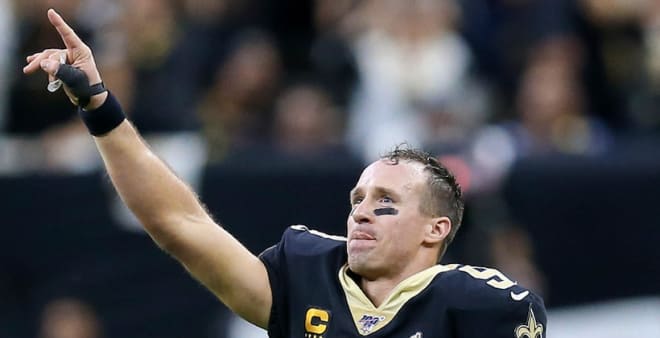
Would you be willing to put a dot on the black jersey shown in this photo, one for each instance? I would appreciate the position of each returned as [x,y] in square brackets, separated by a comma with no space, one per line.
[316,296]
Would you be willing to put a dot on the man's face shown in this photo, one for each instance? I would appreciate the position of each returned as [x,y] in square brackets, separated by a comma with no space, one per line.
[386,228]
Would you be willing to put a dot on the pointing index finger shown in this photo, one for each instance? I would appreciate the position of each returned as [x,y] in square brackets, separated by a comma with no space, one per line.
[71,40]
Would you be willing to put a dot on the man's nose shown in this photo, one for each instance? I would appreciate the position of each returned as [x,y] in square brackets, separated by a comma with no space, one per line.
[361,213]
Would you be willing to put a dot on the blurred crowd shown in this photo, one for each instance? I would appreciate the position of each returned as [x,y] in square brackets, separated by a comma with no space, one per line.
[478,83]
[208,80]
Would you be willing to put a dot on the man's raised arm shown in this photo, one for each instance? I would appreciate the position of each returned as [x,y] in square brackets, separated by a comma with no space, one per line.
[167,207]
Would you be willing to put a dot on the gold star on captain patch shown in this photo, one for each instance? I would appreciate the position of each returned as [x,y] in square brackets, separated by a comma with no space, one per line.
[532,329]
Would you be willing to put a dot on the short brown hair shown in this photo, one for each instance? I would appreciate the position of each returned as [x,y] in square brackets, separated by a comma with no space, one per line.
[444,194]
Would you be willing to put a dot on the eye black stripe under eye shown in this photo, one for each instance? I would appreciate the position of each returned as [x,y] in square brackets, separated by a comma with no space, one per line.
[385,211]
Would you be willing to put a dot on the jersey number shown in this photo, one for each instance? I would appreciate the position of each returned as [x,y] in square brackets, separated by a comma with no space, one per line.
[492,277]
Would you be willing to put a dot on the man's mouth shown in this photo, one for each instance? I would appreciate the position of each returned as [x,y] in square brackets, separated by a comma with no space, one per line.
[361,235]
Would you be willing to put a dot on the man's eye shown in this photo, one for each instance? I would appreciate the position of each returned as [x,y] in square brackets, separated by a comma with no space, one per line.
[386,199]
[356,201]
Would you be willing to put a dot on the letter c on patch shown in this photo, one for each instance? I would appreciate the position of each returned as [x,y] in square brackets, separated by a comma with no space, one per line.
[316,321]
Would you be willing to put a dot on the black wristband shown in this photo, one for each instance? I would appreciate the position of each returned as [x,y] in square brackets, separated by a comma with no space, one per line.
[105,118]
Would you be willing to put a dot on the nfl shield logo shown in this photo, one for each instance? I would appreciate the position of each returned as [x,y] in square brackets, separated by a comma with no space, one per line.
[368,322]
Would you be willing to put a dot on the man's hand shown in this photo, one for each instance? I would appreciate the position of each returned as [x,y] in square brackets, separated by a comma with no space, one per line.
[77,54]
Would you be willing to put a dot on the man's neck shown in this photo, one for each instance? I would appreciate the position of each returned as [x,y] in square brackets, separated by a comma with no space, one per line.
[378,290]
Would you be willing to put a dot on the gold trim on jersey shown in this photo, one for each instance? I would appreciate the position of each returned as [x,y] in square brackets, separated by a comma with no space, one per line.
[368,318]
[318,233]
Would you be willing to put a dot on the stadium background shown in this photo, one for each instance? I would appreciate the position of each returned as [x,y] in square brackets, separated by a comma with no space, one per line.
[545,109]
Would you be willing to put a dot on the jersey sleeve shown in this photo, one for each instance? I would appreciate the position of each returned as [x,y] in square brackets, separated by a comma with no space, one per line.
[274,259]
[508,318]
[300,253]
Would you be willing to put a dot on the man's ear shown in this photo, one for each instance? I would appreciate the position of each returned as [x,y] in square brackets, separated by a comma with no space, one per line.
[437,230]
